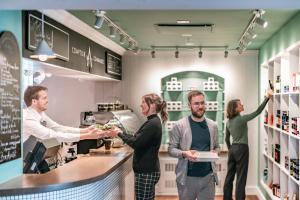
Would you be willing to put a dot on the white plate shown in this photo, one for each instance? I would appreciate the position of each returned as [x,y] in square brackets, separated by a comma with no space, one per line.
[206,156]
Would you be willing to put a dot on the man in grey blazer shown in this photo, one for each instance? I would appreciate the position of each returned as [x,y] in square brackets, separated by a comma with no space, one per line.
[195,132]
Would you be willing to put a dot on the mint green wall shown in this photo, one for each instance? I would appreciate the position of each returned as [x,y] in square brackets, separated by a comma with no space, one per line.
[11,21]
[286,36]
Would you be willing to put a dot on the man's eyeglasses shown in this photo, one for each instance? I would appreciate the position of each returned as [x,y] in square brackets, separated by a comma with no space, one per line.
[203,103]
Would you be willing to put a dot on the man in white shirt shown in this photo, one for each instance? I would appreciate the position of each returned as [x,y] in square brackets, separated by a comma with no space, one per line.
[38,124]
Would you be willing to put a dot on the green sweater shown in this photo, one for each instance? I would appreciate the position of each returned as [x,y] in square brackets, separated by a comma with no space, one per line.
[237,126]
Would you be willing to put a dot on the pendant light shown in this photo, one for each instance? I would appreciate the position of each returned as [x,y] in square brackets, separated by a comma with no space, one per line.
[43,51]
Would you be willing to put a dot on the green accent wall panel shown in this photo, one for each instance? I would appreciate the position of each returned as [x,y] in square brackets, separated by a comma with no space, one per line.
[285,37]
[193,80]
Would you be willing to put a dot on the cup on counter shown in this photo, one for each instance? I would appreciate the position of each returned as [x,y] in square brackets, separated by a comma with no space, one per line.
[108,144]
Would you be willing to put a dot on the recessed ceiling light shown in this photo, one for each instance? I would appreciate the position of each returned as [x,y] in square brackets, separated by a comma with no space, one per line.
[183,21]
[186,35]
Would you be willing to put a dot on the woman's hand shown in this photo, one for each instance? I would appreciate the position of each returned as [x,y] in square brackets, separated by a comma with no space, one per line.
[269,93]
[113,132]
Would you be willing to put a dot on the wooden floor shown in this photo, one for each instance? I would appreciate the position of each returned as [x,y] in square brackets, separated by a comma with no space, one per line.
[217,198]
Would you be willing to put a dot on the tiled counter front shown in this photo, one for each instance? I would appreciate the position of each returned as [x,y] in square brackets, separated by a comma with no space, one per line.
[117,185]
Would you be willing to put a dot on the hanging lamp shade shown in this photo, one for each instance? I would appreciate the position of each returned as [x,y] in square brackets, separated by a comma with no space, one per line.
[43,51]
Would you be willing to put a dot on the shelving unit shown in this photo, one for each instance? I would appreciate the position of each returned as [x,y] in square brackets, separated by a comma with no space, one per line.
[280,125]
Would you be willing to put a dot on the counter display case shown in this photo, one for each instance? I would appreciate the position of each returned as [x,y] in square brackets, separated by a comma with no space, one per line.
[279,130]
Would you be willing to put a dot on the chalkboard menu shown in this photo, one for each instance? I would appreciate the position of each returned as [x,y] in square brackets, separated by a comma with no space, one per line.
[10,109]
[113,64]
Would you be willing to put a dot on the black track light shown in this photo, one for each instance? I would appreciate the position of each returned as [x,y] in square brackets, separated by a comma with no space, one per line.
[176,53]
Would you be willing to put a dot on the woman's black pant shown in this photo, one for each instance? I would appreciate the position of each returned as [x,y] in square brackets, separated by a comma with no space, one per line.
[145,185]
[238,160]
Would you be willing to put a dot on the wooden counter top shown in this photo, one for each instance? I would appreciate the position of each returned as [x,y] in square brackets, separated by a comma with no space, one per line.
[85,169]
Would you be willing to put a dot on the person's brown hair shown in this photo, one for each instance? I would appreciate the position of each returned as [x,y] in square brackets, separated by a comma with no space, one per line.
[160,104]
[32,92]
[231,108]
[194,93]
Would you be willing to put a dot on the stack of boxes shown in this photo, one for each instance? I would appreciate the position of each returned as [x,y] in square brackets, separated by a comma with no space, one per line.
[174,85]
[295,125]
[276,190]
[170,125]
[212,106]
[295,82]
[277,153]
[285,121]
[294,168]
[211,85]
[174,105]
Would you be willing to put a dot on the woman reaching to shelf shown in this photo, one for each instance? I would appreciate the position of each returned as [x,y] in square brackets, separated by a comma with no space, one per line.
[238,157]
[146,143]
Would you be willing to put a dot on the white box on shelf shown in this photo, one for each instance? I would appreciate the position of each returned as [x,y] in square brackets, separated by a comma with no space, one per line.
[170,125]
[173,79]
[211,79]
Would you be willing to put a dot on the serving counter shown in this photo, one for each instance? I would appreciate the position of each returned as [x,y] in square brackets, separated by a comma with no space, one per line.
[98,175]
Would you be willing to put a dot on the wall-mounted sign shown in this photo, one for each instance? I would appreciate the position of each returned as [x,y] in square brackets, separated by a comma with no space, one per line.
[53,35]
[10,108]
[73,49]
[113,64]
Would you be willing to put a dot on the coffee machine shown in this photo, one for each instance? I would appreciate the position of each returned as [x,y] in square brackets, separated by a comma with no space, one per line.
[87,118]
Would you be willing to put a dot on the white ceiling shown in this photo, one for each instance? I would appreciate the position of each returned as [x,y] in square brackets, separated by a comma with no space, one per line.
[149,4]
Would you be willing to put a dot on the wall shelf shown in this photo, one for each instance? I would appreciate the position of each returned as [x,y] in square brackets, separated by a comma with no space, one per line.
[280,146]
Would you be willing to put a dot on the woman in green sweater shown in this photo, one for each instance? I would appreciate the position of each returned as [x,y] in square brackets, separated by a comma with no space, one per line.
[238,157]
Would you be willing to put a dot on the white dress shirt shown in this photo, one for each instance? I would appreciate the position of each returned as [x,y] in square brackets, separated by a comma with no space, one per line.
[42,127]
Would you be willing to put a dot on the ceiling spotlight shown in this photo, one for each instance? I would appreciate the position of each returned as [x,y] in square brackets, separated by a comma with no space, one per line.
[153,53]
[261,22]
[131,45]
[252,34]
[99,19]
[112,31]
[176,53]
[136,50]
[200,54]
[122,39]
[226,53]
[246,40]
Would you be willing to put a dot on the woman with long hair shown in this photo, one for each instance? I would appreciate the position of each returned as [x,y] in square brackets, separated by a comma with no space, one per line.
[238,157]
[146,143]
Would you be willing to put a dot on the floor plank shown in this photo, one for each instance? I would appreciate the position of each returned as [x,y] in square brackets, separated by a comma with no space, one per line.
[250,197]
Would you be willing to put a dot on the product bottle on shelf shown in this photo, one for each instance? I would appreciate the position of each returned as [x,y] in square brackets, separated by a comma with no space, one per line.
[277,85]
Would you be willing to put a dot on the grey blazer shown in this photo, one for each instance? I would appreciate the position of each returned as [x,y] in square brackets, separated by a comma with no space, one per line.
[181,140]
